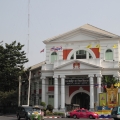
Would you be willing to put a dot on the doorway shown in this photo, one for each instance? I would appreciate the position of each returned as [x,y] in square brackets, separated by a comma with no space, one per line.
[82,99]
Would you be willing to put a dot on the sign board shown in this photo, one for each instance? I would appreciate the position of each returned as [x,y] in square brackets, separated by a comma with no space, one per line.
[112,96]
[77,81]
[102,99]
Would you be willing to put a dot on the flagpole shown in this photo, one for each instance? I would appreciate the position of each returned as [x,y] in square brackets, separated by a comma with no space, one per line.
[44,53]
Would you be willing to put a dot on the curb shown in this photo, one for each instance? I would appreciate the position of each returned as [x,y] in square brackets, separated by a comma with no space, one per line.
[9,115]
[52,117]
[104,118]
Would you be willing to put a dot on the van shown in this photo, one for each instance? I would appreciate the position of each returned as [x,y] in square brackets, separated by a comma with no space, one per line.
[115,113]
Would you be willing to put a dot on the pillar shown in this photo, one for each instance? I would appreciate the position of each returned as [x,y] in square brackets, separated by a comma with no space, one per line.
[55,93]
[91,92]
[43,89]
[63,93]
[99,76]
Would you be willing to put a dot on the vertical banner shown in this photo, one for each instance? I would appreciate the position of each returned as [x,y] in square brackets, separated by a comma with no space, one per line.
[118,98]
[102,99]
[112,97]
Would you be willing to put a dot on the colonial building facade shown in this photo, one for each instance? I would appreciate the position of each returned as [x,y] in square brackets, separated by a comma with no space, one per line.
[76,63]
[35,86]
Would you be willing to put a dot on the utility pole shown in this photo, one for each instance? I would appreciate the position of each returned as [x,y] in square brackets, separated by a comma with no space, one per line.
[19,91]
[29,79]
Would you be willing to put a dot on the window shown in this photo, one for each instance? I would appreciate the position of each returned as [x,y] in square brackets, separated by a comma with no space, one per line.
[72,57]
[34,100]
[109,54]
[51,81]
[40,84]
[51,96]
[35,85]
[53,57]
[82,54]
[90,57]
[51,100]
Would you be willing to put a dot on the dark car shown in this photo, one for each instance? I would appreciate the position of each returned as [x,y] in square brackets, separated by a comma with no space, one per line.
[24,112]
[115,113]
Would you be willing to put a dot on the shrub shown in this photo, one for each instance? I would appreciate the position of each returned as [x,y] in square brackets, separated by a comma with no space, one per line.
[50,108]
[43,104]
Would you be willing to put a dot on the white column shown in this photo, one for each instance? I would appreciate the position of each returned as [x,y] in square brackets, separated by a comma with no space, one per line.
[99,86]
[55,93]
[63,93]
[43,89]
[91,93]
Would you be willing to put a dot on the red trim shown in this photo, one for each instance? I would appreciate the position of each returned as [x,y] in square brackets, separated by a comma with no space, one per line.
[96,52]
[75,88]
[87,88]
[50,88]
[72,89]
[65,53]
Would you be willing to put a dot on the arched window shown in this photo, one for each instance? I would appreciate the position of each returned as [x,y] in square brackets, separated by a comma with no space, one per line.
[109,54]
[53,57]
[72,57]
[82,54]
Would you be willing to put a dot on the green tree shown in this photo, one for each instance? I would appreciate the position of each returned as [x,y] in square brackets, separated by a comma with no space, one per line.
[12,60]
[109,80]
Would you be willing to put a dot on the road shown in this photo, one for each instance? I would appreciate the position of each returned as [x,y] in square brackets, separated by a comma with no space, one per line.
[14,118]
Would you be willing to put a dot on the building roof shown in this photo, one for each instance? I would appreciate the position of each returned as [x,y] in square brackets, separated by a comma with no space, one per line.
[98,30]
[86,27]
[37,65]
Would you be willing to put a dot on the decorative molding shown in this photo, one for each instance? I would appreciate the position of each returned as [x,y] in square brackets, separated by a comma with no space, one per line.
[91,75]
[62,76]
[55,76]
[42,77]
[77,91]
[98,75]
[76,65]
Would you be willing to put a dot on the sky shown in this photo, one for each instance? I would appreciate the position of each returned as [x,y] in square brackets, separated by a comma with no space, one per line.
[48,18]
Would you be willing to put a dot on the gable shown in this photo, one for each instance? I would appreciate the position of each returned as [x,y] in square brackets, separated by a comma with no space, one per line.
[85,32]
[78,65]
[75,37]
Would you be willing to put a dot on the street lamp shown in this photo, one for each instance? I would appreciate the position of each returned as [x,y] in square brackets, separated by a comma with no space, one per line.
[29,88]
[19,91]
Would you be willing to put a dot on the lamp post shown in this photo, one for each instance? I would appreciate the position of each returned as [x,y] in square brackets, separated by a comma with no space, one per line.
[29,79]
[19,91]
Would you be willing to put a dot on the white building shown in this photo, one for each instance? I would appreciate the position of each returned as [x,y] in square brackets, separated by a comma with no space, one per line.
[75,62]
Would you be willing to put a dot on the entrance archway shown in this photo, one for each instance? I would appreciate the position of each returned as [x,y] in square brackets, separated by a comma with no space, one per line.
[82,99]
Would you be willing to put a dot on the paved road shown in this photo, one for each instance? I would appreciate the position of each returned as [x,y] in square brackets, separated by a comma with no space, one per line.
[15,118]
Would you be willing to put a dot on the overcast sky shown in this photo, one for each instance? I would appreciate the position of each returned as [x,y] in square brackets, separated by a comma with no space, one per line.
[49,18]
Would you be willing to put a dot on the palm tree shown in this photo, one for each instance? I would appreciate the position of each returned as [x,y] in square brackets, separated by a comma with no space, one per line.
[108,81]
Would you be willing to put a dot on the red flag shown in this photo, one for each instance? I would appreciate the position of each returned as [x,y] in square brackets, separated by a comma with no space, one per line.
[42,51]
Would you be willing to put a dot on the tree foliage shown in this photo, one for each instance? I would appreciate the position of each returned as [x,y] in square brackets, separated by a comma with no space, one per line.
[109,80]
[12,60]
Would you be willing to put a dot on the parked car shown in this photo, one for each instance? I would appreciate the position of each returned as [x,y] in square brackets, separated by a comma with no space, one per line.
[115,113]
[37,112]
[71,107]
[83,113]
[24,111]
